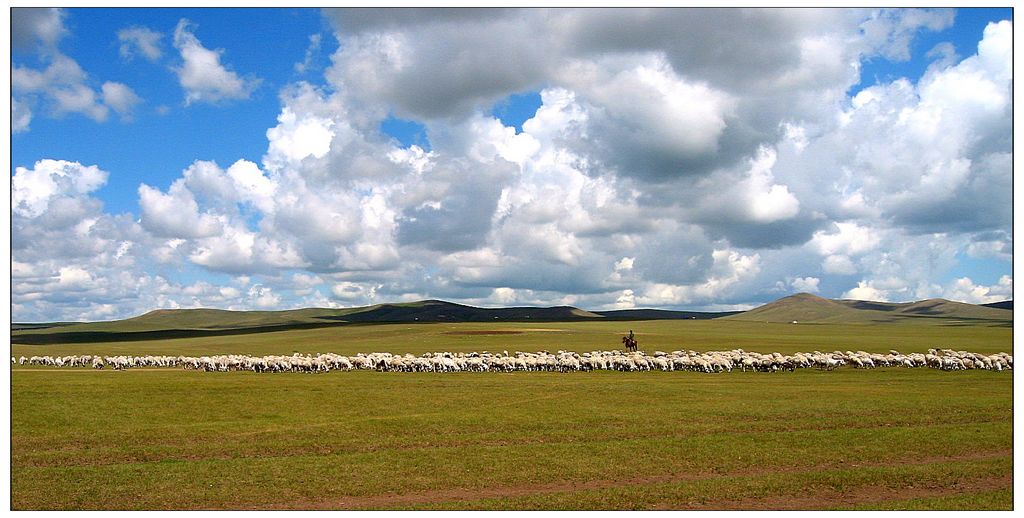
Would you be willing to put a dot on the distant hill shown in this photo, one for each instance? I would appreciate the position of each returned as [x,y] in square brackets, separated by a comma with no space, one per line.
[1006,304]
[441,311]
[42,325]
[185,323]
[807,308]
[662,314]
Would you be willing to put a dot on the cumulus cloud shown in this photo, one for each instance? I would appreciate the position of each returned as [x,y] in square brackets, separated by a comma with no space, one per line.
[866,291]
[965,290]
[890,31]
[140,40]
[31,25]
[120,98]
[33,190]
[806,284]
[706,159]
[175,214]
[295,139]
[201,73]
[61,86]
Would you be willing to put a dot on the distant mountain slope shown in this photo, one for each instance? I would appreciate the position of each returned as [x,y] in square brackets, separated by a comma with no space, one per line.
[43,325]
[801,307]
[441,311]
[662,314]
[804,307]
[183,323]
[951,309]
[186,323]
[1006,304]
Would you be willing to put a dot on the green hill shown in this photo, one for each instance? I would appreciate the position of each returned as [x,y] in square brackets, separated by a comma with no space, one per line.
[184,323]
[187,323]
[807,308]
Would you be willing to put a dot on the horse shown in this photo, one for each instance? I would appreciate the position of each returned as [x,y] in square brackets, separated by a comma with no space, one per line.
[630,343]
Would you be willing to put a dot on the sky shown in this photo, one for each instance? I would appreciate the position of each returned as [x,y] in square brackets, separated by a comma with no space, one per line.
[700,159]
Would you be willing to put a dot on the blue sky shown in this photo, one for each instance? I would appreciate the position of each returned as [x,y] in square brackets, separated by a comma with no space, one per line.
[963,35]
[166,144]
[425,141]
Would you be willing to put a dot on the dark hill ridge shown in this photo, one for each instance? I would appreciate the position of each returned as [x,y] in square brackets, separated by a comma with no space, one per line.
[441,311]
[184,323]
[661,314]
[1006,304]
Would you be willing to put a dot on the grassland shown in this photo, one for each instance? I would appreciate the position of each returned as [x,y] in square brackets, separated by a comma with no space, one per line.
[172,439]
[666,335]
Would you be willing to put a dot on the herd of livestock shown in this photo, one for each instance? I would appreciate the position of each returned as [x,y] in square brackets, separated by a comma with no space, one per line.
[560,361]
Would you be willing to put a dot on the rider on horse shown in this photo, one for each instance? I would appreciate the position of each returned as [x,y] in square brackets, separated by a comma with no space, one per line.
[630,341]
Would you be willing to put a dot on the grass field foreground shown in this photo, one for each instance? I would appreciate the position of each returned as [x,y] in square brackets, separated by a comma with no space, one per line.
[152,439]
[848,439]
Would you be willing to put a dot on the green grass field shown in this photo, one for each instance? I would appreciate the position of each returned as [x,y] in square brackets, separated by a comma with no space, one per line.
[849,439]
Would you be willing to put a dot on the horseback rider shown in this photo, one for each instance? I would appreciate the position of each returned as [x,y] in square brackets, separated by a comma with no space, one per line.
[630,341]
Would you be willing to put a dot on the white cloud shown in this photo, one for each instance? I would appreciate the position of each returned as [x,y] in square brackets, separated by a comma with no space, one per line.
[311,51]
[730,269]
[890,31]
[74,278]
[753,196]
[230,249]
[175,214]
[992,245]
[960,290]
[264,297]
[79,98]
[252,185]
[61,71]
[806,284]
[838,265]
[965,290]
[142,40]
[671,164]
[865,291]
[120,97]
[201,73]
[625,301]
[21,116]
[32,190]
[62,85]
[352,291]
[850,239]
[295,139]
[35,24]
[650,109]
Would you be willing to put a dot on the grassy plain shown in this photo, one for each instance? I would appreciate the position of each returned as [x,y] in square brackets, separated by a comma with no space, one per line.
[173,439]
[665,335]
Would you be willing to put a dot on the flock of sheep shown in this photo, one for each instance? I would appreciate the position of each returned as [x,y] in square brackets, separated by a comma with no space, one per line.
[561,361]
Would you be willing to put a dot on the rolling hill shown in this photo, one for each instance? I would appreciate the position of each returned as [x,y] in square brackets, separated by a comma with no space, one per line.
[1006,304]
[807,308]
[661,314]
[185,323]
